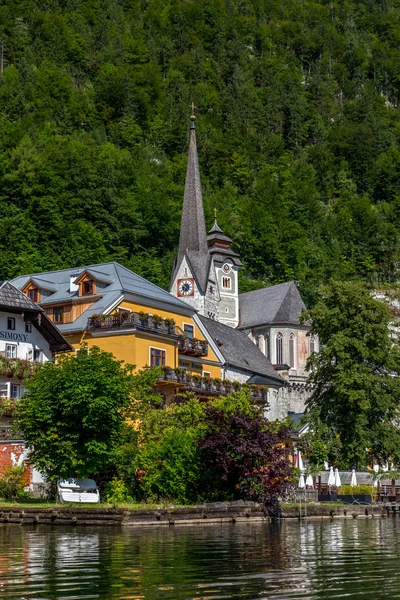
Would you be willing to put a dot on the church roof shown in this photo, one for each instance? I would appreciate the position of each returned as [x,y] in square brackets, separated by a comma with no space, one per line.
[278,304]
[193,237]
[219,245]
[240,352]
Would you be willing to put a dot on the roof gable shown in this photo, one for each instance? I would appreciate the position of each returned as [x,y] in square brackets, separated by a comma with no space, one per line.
[277,304]
[12,298]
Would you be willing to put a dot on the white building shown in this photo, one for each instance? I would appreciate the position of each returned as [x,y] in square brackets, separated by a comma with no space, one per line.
[27,339]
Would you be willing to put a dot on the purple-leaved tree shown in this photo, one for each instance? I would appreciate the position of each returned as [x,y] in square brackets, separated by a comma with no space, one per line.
[245,457]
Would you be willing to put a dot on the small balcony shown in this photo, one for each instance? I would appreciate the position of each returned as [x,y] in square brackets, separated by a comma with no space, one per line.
[20,368]
[192,346]
[207,386]
[134,320]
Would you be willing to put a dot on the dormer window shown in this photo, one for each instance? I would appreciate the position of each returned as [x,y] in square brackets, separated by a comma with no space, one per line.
[58,315]
[87,288]
[33,294]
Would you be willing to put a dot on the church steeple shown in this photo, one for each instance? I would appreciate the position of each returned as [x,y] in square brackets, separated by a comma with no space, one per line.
[193,237]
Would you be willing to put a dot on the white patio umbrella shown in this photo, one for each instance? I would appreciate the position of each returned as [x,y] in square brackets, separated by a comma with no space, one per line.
[353,481]
[338,483]
[300,464]
[326,465]
[301,483]
[331,478]
[310,480]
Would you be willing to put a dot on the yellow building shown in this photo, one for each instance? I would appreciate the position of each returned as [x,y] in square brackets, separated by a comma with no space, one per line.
[109,306]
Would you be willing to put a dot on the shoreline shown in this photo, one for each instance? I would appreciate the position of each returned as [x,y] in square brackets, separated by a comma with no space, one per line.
[217,513]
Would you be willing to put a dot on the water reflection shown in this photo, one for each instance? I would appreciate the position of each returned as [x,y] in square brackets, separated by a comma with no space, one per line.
[318,560]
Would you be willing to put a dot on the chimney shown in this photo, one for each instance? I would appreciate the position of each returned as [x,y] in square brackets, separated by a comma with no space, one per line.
[73,287]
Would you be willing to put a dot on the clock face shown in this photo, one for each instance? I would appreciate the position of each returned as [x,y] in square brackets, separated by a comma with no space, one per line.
[226,268]
[185,287]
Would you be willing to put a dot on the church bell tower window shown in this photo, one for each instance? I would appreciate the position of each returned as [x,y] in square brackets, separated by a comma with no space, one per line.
[292,340]
[226,283]
[279,349]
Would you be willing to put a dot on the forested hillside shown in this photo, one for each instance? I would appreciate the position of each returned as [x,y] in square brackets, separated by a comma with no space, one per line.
[298,132]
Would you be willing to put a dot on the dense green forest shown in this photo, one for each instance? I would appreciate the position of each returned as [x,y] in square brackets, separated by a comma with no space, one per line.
[298,132]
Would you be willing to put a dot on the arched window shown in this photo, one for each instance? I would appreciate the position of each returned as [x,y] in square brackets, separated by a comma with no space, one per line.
[266,346]
[279,349]
[292,341]
[226,283]
[312,344]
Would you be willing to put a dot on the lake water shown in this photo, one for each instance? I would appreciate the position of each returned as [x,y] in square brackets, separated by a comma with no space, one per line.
[349,559]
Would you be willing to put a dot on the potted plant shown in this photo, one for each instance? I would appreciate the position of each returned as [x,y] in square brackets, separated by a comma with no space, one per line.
[170,323]
[196,379]
[144,318]
[157,320]
[180,373]
[217,383]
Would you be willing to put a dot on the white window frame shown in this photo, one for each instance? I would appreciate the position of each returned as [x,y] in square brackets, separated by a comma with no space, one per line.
[226,278]
[16,350]
[12,320]
[279,336]
[18,389]
[40,351]
[156,348]
[293,343]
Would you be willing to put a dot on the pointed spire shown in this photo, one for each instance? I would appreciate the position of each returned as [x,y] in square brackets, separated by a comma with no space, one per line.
[193,236]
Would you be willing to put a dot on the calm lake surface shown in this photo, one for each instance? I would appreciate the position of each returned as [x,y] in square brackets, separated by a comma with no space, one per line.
[349,559]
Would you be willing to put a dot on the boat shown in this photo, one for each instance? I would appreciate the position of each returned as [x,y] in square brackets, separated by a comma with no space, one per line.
[78,490]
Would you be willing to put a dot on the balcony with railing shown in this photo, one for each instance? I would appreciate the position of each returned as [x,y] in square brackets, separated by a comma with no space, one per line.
[152,324]
[207,386]
[192,346]
[19,368]
[134,320]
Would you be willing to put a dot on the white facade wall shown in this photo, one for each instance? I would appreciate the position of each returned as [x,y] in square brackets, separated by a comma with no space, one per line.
[293,397]
[20,338]
[19,343]
[229,297]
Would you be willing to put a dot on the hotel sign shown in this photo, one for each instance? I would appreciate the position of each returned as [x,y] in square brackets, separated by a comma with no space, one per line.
[13,336]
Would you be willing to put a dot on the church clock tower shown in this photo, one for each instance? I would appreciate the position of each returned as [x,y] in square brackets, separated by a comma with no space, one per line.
[226,265]
[193,278]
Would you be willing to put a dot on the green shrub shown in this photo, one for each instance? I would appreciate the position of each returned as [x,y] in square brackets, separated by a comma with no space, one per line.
[169,467]
[357,489]
[12,482]
[116,492]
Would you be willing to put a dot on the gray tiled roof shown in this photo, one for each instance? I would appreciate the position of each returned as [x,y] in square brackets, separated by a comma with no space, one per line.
[193,237]
[13,300]
[122,281]
[280,303]
[239,351]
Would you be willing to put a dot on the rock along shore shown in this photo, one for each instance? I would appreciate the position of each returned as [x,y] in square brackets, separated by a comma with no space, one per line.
[222,512]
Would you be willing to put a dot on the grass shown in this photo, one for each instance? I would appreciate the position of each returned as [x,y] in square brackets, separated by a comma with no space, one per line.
[36,503]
